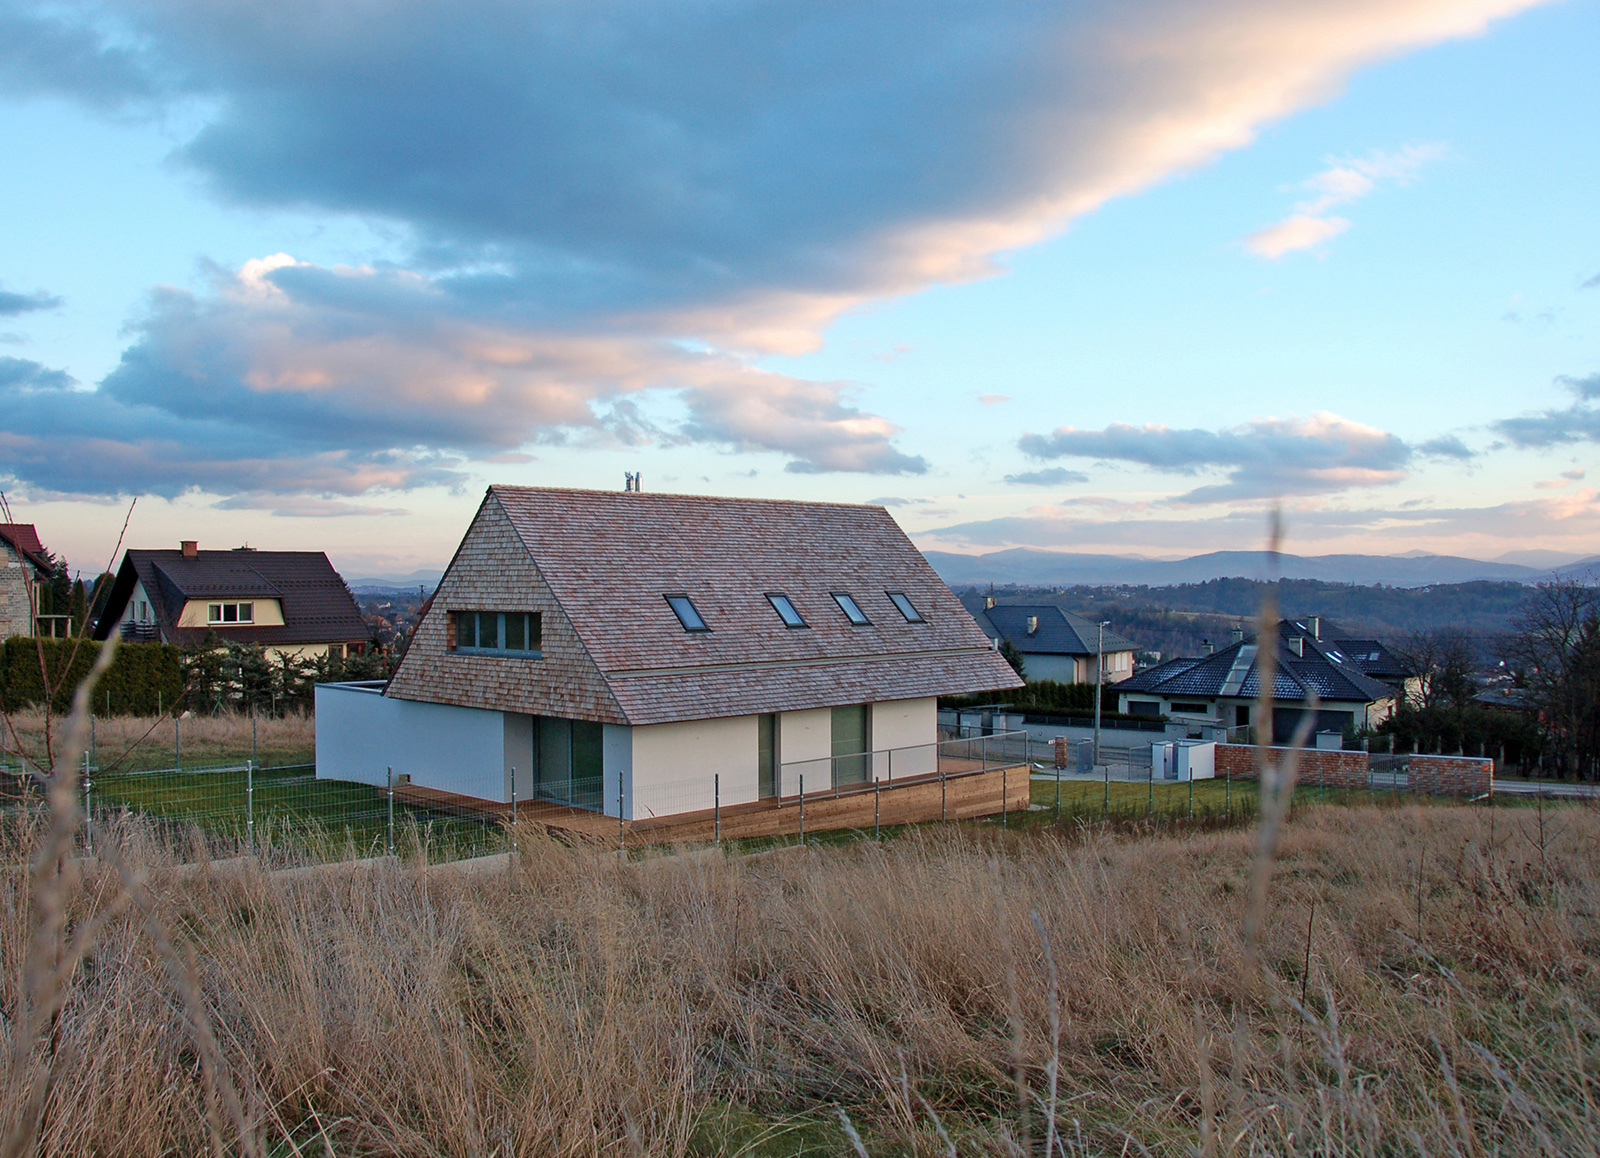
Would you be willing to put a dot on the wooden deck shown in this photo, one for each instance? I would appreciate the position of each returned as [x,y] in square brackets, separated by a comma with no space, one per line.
[965,791]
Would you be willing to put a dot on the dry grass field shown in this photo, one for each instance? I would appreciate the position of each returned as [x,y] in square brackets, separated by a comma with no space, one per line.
[132,743]
[1428,985]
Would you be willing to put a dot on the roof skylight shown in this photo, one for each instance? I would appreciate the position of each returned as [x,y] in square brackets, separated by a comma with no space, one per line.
[851,609]
[899,599]
[786,610]
[683,607]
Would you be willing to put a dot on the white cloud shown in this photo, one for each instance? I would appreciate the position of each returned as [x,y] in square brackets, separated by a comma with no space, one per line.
[1302,231]
[1264,458]
[620,198]
[1342,183]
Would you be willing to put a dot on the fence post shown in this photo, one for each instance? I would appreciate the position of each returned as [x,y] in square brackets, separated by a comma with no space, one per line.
[177,745]
[88,806]
[391,810]
[802,808]
[1191,793]
[254,747]
[1150,810]
[1004,798]
[1058,790]
[1105,806]
[944,812]
[513,811]
[622,821]
[250,803]
[1227,792]
[877,797]
[716,807]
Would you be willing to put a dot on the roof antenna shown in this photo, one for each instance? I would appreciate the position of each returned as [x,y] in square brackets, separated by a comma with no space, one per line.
[627,482]
[632,481]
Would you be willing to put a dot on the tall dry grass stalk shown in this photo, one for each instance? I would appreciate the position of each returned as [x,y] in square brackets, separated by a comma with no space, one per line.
[577,1005]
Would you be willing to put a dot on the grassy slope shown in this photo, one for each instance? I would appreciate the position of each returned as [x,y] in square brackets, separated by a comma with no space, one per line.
[703,1004]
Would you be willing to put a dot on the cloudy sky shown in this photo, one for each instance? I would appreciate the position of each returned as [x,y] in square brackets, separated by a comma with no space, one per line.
[1088,276]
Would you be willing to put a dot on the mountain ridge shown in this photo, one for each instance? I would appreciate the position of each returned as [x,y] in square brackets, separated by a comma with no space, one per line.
[1028,567]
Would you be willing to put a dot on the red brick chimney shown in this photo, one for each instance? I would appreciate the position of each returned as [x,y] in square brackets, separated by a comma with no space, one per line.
[191,548]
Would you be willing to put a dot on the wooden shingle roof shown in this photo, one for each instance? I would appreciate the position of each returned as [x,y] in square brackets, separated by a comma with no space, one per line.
[611,558]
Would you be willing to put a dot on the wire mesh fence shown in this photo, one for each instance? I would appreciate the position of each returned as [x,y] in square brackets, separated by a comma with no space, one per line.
[283,815]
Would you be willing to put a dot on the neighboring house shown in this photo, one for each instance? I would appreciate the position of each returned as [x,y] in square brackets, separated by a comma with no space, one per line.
[292,603]
[25,566]
[1057,645]
[1220,689]
[641,652]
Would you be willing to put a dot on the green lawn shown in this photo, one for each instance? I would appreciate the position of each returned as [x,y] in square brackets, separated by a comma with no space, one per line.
[294,812]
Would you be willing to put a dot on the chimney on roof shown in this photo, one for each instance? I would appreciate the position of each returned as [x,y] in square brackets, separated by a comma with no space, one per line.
[191,548]
[1238,635]
[1206,643]
[988,602]
[1298,646]
[1033,624]
[1315,623]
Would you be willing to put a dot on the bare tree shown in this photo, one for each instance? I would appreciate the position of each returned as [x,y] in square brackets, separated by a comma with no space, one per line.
[1557,654]
[1442,661]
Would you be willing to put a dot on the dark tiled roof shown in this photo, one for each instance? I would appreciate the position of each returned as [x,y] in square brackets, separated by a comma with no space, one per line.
[1058,633]
[317,607]
[1373,658]
[25,539]
[611,557]
[1321,667]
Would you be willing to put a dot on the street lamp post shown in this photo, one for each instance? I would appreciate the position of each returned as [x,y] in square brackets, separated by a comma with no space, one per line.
[1099,681]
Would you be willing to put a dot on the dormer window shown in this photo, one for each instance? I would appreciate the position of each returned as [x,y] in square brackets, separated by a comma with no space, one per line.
[688,615]
[910,612]
[231,613]
[852,610]
[509,633]
[786,610]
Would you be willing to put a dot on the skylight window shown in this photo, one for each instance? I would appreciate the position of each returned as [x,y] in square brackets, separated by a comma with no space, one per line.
[786,610]
[851,609]
[906,608]
[687,615]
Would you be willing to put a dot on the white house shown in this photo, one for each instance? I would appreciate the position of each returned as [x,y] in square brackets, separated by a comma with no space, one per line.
[1058,645]
[630,651]
[289,602]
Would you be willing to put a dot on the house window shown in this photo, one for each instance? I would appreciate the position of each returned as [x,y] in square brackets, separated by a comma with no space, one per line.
[683,607]
[517,633]
[1193,709]
[786,610]
[910,612]
[231,613]
[851,609]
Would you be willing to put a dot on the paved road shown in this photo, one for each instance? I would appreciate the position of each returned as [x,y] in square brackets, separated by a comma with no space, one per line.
[1534,787]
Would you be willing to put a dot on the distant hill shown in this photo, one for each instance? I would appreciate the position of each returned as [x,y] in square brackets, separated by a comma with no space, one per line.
[1026,567]
[392,584]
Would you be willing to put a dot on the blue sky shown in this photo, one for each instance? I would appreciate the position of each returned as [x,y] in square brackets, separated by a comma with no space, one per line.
[1109,278]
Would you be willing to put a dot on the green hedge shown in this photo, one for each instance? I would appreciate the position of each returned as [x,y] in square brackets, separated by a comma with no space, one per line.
[143,677]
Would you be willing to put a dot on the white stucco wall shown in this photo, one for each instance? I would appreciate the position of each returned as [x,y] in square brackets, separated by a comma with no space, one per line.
[361,733]
[906,724]
[518,753]
[197,613]
[1061,668]
[674,765]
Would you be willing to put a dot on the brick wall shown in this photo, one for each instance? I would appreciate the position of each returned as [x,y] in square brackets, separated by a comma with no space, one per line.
[1434,775]
[16,612]
[1318,767]
[1450,775]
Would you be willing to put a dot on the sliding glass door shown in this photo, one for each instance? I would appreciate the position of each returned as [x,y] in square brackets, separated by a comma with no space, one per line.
[570,761]
[851,757]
